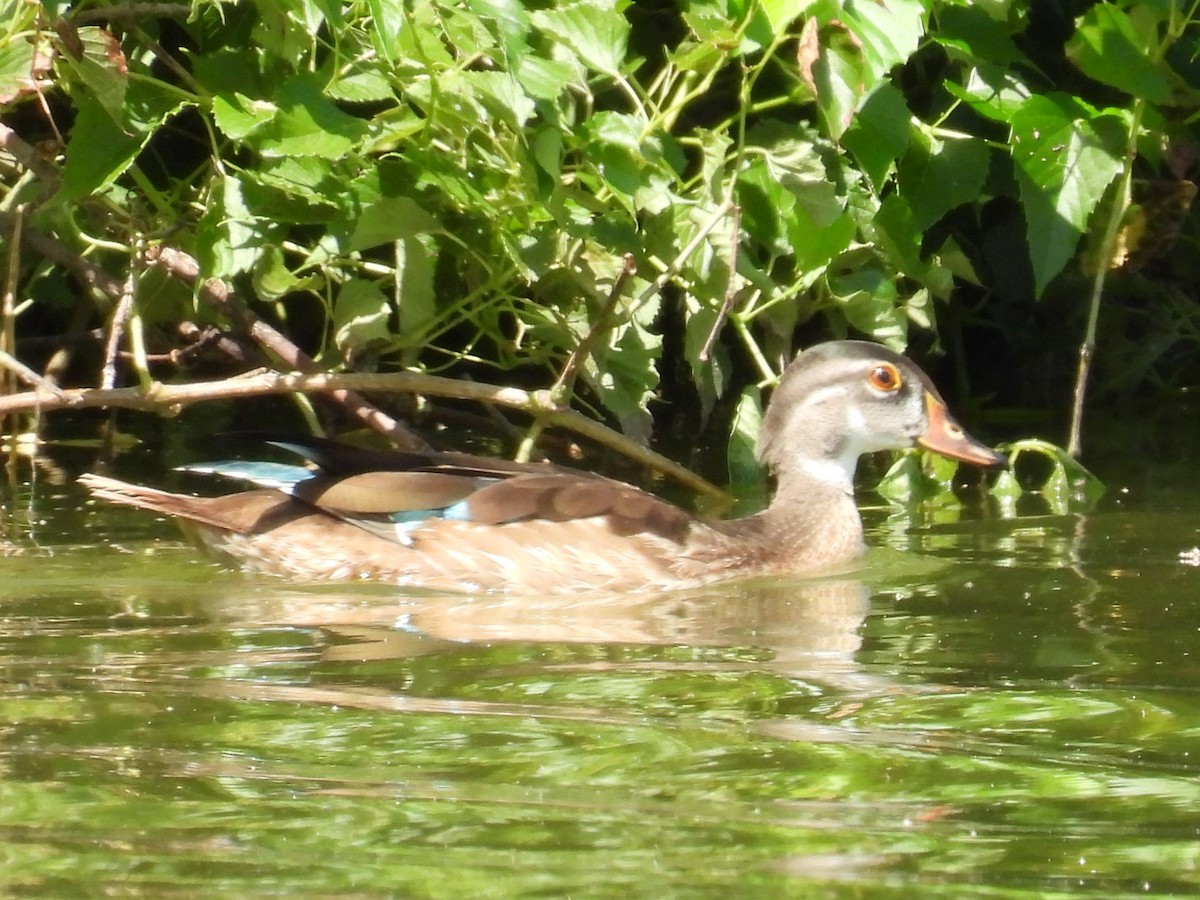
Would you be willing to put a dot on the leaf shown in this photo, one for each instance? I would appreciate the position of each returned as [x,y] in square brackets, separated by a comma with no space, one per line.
[230,237]
[272,277]
[708,375]
[625,374]
[387,20]
[745,474]
[992,91]
[361,312]
[598,34]
[308,124]
[795,164]
[976,35]
[1106,47]
[880,133]
[390,219]
[936,176]
[415,297]
[239,116]
[838,77]
[99,150]
[100,65]
[888,32]
[512,23]
[814,243]
[502,96]
[1066,157]
[782,13]
[17,70]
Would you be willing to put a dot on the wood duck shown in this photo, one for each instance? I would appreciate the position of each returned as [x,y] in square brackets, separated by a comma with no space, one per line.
[450,521]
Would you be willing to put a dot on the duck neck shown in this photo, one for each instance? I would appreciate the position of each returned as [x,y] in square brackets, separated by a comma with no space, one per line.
[813,515]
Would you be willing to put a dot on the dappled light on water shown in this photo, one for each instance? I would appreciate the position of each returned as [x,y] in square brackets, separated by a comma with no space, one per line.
[990,704]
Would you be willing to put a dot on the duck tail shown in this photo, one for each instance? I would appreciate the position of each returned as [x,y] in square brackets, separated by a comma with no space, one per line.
[195,509]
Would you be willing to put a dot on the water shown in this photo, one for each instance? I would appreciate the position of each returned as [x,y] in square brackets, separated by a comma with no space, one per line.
[992,708]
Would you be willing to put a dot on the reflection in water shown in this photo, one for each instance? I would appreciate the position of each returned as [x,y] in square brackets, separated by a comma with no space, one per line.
[806,626]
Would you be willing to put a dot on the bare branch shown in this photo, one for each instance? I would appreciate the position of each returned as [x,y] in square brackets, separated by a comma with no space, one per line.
[169,399]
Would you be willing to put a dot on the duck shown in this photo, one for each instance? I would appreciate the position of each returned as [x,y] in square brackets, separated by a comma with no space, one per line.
[457,522]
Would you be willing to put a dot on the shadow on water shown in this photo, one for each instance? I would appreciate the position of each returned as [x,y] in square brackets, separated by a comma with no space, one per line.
[990,708]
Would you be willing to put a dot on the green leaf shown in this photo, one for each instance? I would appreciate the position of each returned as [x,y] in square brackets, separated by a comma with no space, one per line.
[880,133]
[795,164]
[388,19]
[936,176]
[782,13]
[503,97]
[888,32]
[866,296]
[544,79]
[992,91]
[1107,47]
[840,82]
[361,313]
[238,116]
[897,233]
[415,296]
[625,374]
[272,277]
[814,243]
[306,123]
[512,23]
[1069,487]
[231,238]
[709,375]
[390,219]
[100,151]
[1066,157]
[745,473]
[976,35]
[101,68]
[597,33]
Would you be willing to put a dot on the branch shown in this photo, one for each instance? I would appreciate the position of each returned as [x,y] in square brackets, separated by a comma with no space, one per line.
[217,294]
[184,267]
[169,399]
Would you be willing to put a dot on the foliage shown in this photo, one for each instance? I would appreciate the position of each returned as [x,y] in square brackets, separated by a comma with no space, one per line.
[450,183]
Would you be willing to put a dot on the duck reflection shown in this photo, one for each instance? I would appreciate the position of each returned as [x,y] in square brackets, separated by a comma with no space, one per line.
[803,626]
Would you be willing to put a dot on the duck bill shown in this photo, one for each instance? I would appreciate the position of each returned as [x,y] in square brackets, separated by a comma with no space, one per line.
[947,437]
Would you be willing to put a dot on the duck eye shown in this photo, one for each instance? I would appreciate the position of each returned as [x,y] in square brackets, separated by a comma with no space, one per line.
[885,377]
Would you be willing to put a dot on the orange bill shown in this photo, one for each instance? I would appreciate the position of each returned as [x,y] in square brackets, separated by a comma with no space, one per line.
[947,437]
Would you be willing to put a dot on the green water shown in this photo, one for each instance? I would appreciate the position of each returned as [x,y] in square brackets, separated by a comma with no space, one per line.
[994,708]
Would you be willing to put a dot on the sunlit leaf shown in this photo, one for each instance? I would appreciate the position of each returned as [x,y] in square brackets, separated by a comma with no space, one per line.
[99,150]
[597,33]
[746,476]
[782,13]
[888,32]
[307,123]
[969,30]
[360,316]
[936,176]
[1066,157]
[1106,47]
[880,133]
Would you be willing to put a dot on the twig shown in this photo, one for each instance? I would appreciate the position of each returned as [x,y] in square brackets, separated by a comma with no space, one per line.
[215,292]
[1104,259]
[186,268]
[680,258]
[26,156]
[116,329]
[735,228]
[171,398]
[565,384]
[11,364]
